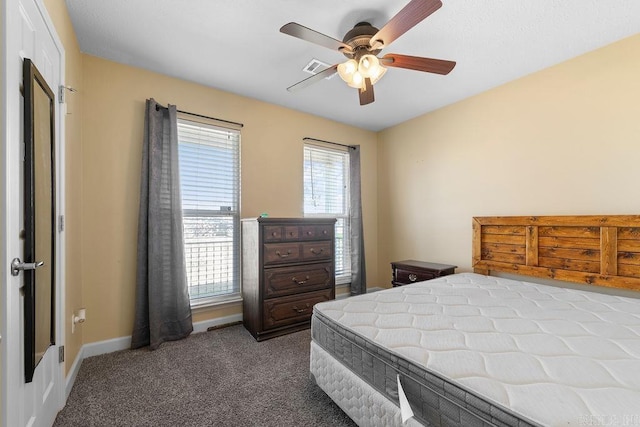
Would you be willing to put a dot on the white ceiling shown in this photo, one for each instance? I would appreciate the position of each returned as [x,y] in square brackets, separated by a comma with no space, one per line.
[236,46]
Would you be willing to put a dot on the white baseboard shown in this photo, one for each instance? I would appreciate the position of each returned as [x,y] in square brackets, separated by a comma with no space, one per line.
[73,373]
[106,346]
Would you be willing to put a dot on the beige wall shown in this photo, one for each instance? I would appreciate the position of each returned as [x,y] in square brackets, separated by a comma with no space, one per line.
[73,175]
[565,140]
[113,103]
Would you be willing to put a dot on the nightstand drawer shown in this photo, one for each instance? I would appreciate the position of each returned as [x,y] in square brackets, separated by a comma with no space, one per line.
[293,309]
[411,271]
[410,276]
[281,281]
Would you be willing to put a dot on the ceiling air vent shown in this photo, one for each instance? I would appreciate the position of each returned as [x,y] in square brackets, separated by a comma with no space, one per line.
[315,66]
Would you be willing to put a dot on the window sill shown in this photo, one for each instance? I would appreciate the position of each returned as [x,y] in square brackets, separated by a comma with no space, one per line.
[216,302]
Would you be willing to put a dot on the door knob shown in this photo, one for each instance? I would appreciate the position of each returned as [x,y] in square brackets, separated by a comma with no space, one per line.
[17,266]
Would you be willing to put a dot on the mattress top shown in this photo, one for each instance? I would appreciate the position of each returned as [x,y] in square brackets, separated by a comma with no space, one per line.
[553,355]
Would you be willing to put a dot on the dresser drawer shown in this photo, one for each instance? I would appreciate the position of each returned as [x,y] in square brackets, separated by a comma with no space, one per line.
[283,233]
[285,311]
[279,233]
[317,232]
[317,250]
[281,281]
[272,233]
[281,253]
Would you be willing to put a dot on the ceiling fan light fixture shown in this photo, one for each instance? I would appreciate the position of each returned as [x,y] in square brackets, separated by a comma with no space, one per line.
[369,66]
[357,81]
[354,72]
[347,69]
[379,74]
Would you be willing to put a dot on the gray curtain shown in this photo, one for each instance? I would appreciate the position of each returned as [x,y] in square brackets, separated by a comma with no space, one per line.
[358,273]
[162,307]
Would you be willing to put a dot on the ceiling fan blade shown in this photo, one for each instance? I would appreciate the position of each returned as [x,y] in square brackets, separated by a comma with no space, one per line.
[366,94]
[315,78]
[414,12]
[307,34]
[438,66]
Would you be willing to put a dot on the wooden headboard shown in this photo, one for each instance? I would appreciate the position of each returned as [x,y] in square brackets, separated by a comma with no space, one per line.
[599,250]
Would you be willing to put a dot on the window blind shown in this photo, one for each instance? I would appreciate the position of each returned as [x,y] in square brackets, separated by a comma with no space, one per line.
[326,194]
[210,186]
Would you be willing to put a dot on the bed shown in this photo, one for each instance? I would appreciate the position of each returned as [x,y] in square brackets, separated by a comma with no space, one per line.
[473,349]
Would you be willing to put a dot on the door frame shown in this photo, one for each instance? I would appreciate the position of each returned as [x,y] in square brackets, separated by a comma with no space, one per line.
[10,149]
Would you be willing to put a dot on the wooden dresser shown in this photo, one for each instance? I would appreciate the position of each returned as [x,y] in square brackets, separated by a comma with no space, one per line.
[287,267]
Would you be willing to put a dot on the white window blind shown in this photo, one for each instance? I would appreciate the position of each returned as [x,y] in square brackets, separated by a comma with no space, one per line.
[210,185]
[326,194]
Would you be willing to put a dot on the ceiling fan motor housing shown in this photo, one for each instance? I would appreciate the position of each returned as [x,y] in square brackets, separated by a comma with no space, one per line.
[358,39]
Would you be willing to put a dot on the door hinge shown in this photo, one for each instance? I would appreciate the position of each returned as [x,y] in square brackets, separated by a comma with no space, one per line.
[61,223]
[61,354]
[62,93]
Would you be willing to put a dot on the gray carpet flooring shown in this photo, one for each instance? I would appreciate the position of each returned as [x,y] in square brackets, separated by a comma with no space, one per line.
[218,378]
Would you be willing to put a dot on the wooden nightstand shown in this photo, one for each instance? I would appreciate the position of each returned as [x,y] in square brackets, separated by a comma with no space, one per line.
[410,271]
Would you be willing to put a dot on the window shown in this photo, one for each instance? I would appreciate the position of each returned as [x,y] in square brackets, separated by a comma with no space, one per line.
[326,194]
[210,184]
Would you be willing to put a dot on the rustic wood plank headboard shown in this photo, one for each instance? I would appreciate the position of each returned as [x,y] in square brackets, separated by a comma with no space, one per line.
[598,250]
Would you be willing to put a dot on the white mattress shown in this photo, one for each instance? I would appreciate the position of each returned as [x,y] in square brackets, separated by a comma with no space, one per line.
[552,355]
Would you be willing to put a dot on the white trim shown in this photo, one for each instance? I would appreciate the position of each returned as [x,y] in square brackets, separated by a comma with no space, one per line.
[73,373]
[60,165]
[123,343]
[107,346]
[206,303]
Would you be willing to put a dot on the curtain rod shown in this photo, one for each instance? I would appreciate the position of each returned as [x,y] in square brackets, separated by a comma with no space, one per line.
[211,118]
[158,106]
[306,138]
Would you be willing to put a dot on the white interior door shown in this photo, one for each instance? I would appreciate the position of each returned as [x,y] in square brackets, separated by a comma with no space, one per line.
[29,34]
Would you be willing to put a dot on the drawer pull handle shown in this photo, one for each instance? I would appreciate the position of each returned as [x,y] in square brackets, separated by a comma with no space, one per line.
[300,310]
[300,282]
[283,255]
[413,277]
[313,251]
[309,233]
[274,234]
[325,232]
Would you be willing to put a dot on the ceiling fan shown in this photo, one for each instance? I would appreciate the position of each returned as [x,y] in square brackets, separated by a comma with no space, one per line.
[364,42]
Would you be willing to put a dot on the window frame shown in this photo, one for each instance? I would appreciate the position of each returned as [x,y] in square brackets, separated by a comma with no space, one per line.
[344,278]
[236,295]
